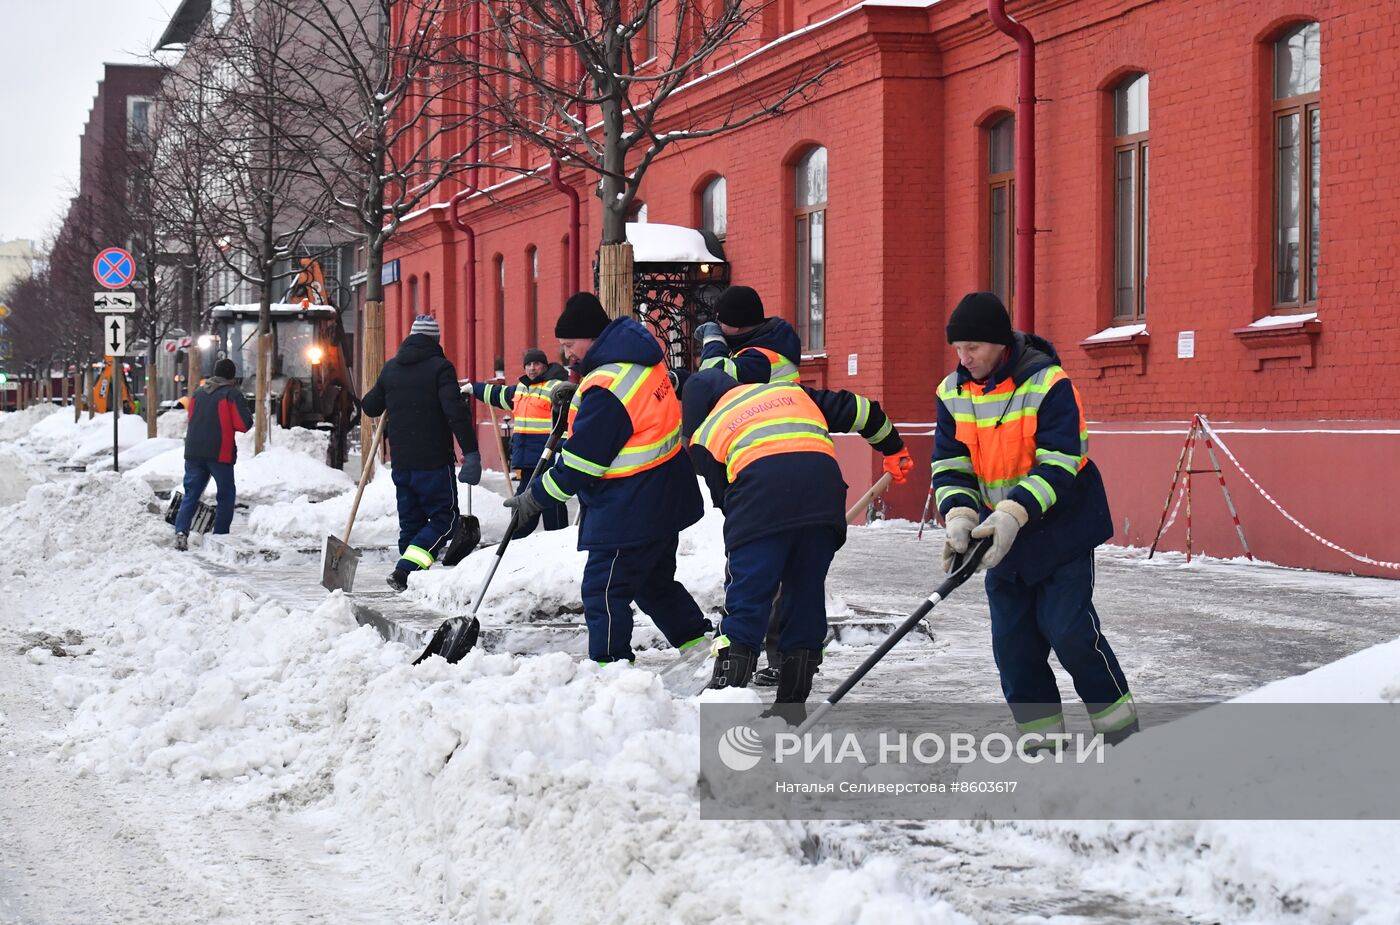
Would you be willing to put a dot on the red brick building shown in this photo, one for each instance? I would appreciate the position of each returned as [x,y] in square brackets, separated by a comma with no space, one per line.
[891,189]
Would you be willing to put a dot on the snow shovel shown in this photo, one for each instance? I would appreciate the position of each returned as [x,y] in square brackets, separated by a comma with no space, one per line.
[338,558]
[858,509]
[962,571]
[457,635]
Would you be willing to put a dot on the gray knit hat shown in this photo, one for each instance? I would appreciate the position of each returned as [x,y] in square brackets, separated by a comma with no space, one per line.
[426,324]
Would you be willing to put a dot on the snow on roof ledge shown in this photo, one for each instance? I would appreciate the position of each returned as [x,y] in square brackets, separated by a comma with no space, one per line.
[1273,321]
[655,243]
[1123,330]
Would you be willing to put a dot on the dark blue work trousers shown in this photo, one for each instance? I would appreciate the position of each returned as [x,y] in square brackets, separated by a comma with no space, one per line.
[797,560]
[614,578]
[1057,614]
[427,501]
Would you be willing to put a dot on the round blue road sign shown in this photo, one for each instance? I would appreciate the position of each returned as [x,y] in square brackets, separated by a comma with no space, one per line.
[114,268]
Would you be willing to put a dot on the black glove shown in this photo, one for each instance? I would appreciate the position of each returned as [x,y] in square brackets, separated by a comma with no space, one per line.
[523,507]
[470,473]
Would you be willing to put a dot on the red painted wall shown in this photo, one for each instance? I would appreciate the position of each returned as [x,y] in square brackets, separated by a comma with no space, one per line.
[902,121]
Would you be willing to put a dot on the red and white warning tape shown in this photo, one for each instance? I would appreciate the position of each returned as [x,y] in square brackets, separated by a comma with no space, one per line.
[1278,507]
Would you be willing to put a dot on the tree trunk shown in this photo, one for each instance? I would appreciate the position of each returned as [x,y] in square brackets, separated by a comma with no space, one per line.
[261,421]
[615,279]
[371,363]
[79,378]
[88,388]
[152,399]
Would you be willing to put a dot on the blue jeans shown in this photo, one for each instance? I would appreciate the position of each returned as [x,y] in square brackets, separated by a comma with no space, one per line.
[614,578]
[197,475]
[427,500]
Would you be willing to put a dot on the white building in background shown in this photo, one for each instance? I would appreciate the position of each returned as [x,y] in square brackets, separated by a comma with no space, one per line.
[16,263]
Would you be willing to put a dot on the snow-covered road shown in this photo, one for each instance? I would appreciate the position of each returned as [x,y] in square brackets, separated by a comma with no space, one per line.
[209,739]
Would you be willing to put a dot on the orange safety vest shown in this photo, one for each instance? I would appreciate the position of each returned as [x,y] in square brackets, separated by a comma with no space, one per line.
[532,406]
[650,400]
[781,368]
[998,428]
[754,421]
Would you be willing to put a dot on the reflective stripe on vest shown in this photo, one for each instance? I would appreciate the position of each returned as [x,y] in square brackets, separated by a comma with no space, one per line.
[998,428]
[532,406]
[647,395]
[754,421]
[781,369]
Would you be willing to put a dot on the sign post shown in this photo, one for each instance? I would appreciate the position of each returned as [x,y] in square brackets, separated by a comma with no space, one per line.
[114,268]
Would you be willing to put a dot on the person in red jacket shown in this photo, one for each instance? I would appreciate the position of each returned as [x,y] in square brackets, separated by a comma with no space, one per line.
[217,412]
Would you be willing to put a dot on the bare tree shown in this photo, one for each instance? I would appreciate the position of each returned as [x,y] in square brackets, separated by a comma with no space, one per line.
[261,145]
[182,200]
[548,66]
[379,93]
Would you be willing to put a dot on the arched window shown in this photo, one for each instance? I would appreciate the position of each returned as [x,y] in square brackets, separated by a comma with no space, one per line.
[714,207]
[809,219]
[428,293]
[532,297]
[1297,191]
[500,339]
[1130,199]
[412,297]
[1001,198]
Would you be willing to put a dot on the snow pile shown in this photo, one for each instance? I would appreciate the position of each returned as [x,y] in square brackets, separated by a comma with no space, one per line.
[505,788]
[302,521]
[289,468]
[15,424]
[539,574]
[173,424]
[1253,867]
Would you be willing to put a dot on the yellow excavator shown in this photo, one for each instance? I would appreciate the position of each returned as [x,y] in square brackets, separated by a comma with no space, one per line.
[102,391]
[310,384]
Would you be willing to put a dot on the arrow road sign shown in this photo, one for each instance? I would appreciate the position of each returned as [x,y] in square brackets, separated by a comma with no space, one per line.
[114,302]
[114,268]
[114,335]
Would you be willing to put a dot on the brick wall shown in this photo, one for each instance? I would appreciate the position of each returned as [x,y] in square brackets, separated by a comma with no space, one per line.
[903,119]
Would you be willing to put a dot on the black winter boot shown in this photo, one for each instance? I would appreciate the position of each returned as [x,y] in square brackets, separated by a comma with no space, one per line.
[733,666]
[398,580]
[795,676]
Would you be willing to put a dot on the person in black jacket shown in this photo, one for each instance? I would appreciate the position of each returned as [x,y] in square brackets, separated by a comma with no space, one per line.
[217,411]
[765,450]
[418,388]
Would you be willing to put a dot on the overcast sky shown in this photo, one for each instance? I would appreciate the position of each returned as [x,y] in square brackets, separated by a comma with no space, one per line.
[54,52]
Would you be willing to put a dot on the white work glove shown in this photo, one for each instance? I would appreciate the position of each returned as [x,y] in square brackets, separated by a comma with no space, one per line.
[1001,525]
[958,524]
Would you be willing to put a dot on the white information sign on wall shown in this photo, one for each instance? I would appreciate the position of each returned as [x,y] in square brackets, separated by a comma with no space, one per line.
[1185,345]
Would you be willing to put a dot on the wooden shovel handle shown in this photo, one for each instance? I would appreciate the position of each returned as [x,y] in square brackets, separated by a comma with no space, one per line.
[365,470]
[870,495]
[500,448]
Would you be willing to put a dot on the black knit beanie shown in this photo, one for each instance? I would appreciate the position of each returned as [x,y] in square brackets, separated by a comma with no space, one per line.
[535,355]
[980,316]
[739,307]
[583,318]
[225,369]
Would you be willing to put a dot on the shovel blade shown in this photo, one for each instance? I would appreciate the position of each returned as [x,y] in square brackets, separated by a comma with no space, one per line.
[465,537]
[338,563]
[454,639]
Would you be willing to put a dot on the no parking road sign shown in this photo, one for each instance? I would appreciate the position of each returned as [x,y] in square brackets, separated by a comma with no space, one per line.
[114,268]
